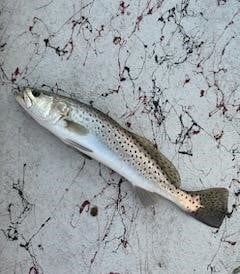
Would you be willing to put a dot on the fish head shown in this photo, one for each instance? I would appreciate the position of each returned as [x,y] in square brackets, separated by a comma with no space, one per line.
[53,112]
[47,109]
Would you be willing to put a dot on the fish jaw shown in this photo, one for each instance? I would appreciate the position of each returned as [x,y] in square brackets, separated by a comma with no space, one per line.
[25,98]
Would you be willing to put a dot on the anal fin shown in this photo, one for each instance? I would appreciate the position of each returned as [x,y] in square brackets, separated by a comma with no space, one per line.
[147,198]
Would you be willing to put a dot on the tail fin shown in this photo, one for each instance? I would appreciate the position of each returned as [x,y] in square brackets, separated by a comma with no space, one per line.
[214,202]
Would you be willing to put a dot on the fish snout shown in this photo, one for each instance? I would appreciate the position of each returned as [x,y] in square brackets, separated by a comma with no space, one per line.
[25,97]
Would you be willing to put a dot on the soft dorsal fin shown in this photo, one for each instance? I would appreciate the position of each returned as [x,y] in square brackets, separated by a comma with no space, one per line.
[165,164]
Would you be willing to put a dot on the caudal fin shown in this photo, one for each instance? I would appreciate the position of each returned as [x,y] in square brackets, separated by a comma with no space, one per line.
[213,209]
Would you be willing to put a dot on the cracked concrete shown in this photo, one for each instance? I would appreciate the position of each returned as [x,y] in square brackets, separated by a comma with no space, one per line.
[168,70]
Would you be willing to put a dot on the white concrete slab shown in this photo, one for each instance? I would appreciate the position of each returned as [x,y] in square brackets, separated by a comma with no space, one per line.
[169,70]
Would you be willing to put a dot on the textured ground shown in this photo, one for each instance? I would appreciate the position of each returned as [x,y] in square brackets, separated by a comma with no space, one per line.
[168,70]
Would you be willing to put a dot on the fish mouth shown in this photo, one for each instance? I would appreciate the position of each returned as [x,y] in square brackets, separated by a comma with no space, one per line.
[25,98]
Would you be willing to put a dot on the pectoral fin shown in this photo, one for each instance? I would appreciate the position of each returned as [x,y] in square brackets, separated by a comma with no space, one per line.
[75,127]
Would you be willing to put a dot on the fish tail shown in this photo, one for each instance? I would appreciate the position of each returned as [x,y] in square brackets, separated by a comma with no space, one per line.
[213,206]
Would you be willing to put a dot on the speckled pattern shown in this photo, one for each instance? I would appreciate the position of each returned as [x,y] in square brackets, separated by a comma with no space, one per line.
[129,148]
[168,71]
[119,140]
[87,129]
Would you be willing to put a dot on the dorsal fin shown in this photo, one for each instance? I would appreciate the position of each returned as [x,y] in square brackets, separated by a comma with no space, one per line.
[165,164]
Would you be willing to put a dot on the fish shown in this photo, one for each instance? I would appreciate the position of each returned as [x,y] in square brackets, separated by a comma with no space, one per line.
[135,158]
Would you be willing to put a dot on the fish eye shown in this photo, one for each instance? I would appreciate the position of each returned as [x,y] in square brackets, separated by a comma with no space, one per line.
[36,93]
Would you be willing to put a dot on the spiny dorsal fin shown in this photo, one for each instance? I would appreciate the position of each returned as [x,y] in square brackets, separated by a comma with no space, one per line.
[165,164]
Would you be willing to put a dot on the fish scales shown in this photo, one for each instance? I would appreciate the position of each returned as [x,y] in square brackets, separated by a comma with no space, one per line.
[122,142]
[97,135]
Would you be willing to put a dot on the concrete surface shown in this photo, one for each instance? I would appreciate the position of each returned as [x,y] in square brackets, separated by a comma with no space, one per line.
[168,70]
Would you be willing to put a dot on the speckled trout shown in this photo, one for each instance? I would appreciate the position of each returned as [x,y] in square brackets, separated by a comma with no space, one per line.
[135,158]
